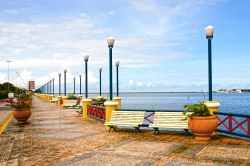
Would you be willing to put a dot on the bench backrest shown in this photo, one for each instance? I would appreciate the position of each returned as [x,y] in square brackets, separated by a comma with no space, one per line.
[127,117]
[174,119]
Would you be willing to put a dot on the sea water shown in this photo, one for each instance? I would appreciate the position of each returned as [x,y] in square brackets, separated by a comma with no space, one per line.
[230,102]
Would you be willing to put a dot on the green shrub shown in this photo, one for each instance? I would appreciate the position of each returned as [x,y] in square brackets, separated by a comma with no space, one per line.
[3,94]
[19,105]
[196,110]
[72,97]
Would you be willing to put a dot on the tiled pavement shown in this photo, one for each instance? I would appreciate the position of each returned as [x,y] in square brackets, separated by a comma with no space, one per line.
[5,115]
[58,137]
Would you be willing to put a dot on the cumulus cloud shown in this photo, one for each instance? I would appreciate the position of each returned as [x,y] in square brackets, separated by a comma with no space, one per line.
[44,47]
[3,77]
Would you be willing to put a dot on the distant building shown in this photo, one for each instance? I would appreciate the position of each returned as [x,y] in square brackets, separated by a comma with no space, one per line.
[31,85]
[245,90]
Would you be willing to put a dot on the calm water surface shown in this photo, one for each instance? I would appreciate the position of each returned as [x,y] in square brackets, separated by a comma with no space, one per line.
[234,103]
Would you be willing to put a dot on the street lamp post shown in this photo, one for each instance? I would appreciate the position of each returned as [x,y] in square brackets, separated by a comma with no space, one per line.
[86,58]
[209,31]
[53,86]
[111,42]
[74,85]
[59,75]
[65,72]
[49,86]
[80,77]
[8,61]
[100,75]
[117,77]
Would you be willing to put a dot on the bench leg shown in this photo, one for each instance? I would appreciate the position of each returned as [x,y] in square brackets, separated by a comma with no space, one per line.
[137,129]
[110,127]
[79,113]
[157,130]
[187,131]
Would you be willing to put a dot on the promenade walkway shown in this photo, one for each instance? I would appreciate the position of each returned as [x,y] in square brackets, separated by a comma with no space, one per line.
[58,137]
[5,115]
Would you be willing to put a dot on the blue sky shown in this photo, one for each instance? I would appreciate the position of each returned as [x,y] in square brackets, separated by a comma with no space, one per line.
[160,43]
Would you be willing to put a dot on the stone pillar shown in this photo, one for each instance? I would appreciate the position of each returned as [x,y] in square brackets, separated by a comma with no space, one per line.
[59,100]
[118,100]
[85,103]
[64,98]
[213,106]
[109,107]
[80,97]
[51,97]
[48,97]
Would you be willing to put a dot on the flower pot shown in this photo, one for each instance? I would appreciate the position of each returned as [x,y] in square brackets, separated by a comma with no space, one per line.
[203,127]
[21,115]
[28,101]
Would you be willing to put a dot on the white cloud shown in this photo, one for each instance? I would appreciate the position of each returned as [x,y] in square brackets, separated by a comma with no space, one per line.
[145,6]
[12,12]
[148,39]
[3,77]
[131,82]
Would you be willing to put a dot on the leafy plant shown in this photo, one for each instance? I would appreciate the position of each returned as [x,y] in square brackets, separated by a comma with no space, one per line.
[199,109]
[25,96]
[18,105]
[19,102]
[99,100]
[3,94]
[72,97]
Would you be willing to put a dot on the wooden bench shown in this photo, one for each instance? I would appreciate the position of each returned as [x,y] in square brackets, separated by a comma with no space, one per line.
[69,103]
[169,120]
[126,119]
[54,99]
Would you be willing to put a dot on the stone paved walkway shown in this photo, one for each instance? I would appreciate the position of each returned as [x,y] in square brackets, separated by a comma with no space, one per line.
[5,115]
[58,137]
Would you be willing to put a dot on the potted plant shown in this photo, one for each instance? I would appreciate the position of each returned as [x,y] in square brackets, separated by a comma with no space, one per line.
[71,97]
[201,122]
[21,109]
[98,101]
[26,97]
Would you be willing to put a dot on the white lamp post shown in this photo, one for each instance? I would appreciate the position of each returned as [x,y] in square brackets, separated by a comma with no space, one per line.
[117,77]
[86,58]
[209,31]
[8,61]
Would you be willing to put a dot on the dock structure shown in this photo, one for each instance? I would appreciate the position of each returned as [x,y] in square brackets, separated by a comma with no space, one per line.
[56,136]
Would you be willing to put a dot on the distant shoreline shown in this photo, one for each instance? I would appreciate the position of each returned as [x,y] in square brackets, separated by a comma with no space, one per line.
[145,92]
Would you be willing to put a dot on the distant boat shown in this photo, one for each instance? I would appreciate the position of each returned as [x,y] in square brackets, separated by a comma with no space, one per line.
[238,91]
[222,91]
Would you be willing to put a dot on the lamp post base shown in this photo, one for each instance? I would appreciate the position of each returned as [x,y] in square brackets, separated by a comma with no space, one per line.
[213,106]
[85,103]
[118,100]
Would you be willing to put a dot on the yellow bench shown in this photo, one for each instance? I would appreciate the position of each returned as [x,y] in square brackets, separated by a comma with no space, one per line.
[69,103]
[169,120]
[126,119]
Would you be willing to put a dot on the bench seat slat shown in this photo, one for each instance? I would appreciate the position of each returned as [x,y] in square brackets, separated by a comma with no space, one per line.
[126,118]
[169,120]
[69,103]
